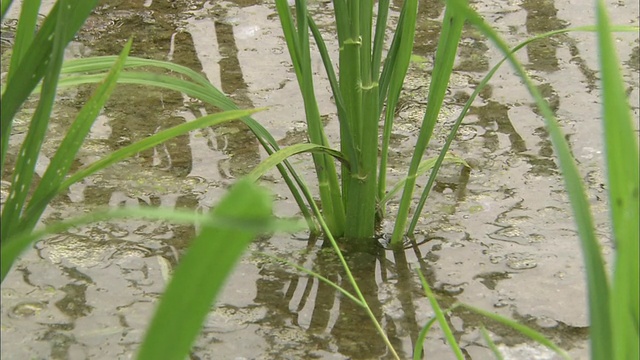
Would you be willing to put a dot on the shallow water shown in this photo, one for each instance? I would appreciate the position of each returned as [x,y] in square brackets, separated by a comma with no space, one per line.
[498,237]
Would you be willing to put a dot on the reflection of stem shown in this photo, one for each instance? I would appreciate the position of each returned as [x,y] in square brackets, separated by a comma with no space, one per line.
[360,298]
[404,292]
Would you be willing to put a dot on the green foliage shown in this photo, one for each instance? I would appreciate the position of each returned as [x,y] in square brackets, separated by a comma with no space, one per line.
[240,217]
[366,91]
[613,309]
[202,271]
[439,316]
[361,90]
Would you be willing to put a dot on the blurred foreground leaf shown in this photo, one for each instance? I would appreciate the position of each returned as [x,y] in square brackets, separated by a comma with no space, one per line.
[202,272]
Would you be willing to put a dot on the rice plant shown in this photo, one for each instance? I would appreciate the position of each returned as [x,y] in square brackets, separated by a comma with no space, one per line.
[366,92]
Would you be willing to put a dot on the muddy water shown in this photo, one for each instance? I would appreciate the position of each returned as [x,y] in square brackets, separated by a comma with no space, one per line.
[499,237]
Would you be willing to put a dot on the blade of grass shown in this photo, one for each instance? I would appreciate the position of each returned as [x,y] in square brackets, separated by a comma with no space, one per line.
[4,7]
[621,147]
[201,274]
[419,345]
[298,45]
[33,67]
[347,144]
[149,142]
[492,346]
[467,106]
[422,335]
[425,166]
[282,154]
[24,33]
[440,317]
[352,280]
[339,288]
[201,89]
[380,34]
[20,242]
[397,60]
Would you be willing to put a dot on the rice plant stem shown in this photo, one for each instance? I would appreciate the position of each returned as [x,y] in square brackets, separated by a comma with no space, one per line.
[298,44]
[391,81]
[621,145]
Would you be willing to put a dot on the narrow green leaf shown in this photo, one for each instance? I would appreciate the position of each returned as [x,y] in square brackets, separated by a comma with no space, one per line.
[297,40]
[424,166]
[621,147]
[523,329]
[392,80]
[339,288]
[4,7]
[33,66]
[440,317]
[201,89]
[201,274]
[445,56]
[418,349]
[30,149]
[492,345]
[283,154]
[597,281]
[151,141]
[20,242]
[24,33]
[348,146]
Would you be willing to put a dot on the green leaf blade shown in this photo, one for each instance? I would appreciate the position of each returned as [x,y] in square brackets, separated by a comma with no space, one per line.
[201,274]
[621,147]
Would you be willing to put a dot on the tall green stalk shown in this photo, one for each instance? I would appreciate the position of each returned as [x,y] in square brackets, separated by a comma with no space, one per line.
[359,88]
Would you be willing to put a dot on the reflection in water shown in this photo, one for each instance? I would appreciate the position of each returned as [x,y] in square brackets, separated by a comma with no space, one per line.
[322,310]
[495,116]
[541,18]
[234,139]
[427,27]
[71,309]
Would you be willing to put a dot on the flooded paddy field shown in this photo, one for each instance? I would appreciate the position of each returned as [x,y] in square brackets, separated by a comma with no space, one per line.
[498,236]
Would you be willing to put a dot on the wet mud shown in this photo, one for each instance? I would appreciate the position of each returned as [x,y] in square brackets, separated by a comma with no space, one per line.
[498,236]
